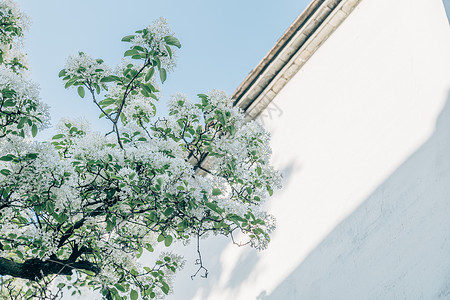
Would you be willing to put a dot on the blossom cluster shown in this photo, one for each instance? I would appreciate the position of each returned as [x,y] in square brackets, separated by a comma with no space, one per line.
[14,22]
[154,38]
[86,68]
[21,110]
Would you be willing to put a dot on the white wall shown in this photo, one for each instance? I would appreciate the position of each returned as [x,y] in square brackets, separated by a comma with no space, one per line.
[364,145]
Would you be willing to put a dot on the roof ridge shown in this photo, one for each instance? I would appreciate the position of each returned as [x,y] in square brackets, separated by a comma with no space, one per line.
[302,38]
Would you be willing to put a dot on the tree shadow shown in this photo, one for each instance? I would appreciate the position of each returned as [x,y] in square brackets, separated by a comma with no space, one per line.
[212,250]
[395,245]
[246,263]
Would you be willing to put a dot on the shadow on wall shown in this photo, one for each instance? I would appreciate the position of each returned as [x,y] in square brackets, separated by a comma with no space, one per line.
[212,250]
[250,257]
[447,8]
[395,245]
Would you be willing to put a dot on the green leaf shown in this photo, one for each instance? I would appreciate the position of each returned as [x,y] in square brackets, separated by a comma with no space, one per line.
[62,73]
[133,295]
[168,211]
[110,224]
[157,62]
[58,136]
[110,78]
[204,99]
[216,192]
[139,48]
[127,38]
[169,51]
[106,102]
[162,74]
[161,238]
[61,285]
[81,91]
[171,40]
[149,247]
[147,88]
[97,87]
[168,240]
[5,172]
[182,225]
[145,92]
[213,207]
[149,74]
[165,288]
[120,287]
[258,170]
[61,218]
[21,123]
[34,130]
[70,82]
[9,103]
[139,254]
[131,52]
[32,155]
[8,157]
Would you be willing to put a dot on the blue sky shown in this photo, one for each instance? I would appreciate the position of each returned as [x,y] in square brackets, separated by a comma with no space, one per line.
[222,41]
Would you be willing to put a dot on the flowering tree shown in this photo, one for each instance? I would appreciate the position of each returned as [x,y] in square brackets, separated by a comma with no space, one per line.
[80,210]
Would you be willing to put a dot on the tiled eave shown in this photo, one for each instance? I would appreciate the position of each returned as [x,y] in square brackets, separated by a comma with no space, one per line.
[308,32]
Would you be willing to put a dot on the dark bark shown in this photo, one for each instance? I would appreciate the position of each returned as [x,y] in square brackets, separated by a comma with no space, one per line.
[35,269]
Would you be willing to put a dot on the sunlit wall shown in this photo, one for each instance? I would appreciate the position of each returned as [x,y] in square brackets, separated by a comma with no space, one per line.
[362,136]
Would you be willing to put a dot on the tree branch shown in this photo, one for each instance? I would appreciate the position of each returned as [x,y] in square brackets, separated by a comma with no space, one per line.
[35,269]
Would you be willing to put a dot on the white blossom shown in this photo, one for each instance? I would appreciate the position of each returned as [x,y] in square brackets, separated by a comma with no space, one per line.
[86,67]
[155,41]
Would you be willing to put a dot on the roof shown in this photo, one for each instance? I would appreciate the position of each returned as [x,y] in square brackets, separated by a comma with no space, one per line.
[306,34]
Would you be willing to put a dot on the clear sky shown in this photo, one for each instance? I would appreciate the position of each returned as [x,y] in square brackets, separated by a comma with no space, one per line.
[222,41]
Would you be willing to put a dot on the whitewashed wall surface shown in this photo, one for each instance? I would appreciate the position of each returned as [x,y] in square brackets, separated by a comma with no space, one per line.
[362,136]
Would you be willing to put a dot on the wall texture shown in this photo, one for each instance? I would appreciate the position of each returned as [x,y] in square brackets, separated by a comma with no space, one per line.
[362,135]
